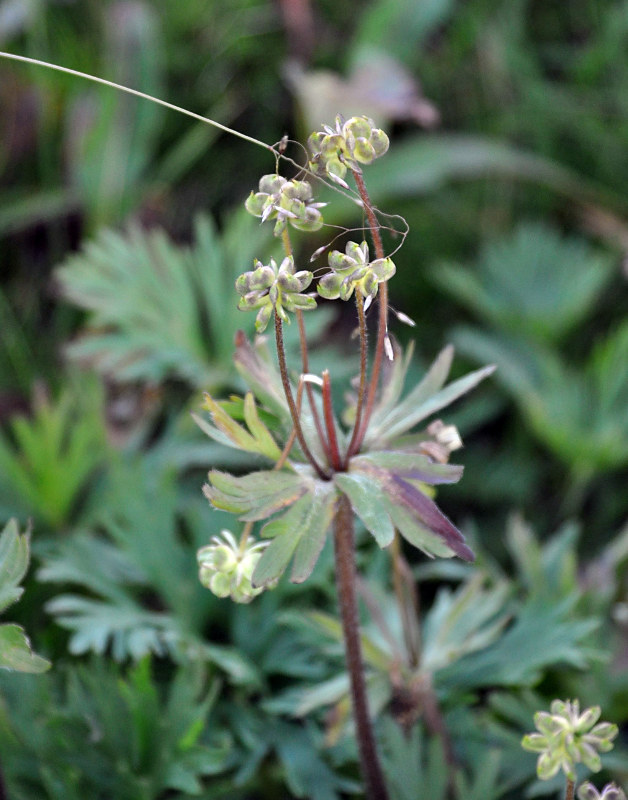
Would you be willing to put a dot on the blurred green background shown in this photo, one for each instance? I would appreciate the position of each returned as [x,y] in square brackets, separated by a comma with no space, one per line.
[122,231]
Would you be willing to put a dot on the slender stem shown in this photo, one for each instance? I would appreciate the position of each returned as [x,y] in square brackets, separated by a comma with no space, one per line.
[334,452]
[346,583]
[305,363]
[435,722]
[283,368]
[244,537]
[137,93]
[359,303]
[570,790]
[407,601]
[293,433]
[305,359]
[382,328]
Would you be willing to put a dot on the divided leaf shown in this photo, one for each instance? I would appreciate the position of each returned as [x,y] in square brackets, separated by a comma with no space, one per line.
[382,492]
[255,496]
[300,532]
[227,431]
[391,419]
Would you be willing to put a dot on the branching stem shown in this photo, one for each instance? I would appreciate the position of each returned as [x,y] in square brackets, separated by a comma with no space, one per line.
[346,584]
[382,328]
[305,359]
[359,303]
[283,369]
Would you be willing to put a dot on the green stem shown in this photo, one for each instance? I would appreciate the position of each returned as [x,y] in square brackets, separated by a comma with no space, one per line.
[347,599]
[283,369]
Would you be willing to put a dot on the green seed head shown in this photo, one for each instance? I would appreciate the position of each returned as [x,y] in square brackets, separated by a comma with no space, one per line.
[285,202]
[352,271]
[567,737]
[348,145]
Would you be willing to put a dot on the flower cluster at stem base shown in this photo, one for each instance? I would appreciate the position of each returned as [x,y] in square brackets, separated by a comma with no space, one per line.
[227,571]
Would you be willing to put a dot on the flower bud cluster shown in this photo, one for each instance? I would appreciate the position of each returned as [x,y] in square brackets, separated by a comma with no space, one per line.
[566,737]
[285,201]
[226,571]
[352,270]
[587,791]
[351,143]
[269,287]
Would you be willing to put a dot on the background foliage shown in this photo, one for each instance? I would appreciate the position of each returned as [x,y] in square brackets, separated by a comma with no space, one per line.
[121,236]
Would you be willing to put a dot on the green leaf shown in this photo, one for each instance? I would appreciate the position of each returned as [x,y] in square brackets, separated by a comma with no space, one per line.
[255,496]
[533,282]
[559,639]
[465,621]
[14,556]
[16,652]
[314,532]
[286,531]
[301,532]
[15,648]
[415,533]
[409,413]
[158,310]
[47,462]
[577,413]
[367,501]
[230,433]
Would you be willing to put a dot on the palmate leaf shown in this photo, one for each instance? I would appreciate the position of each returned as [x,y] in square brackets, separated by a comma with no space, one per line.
[579,414]
[382,491]
[533,283]
[558,636]
[148,734]
[255,496]
[156,309]
[391,418]
[47,462]
[300,532]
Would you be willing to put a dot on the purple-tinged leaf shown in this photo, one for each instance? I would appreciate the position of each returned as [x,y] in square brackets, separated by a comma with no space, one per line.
[412,466]
[428,514]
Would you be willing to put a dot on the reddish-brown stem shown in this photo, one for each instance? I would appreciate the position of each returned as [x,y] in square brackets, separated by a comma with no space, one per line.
[283,369]
[570,790]
[305,360]
[305,364]
[293,433]
[359,303]
[382,328]
[347,599]
[328,411]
